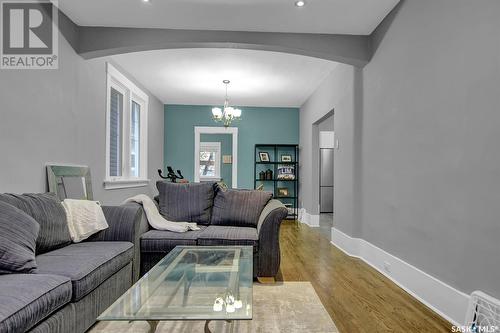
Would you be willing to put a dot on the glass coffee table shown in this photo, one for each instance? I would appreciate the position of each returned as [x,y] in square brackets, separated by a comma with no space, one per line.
[191,283]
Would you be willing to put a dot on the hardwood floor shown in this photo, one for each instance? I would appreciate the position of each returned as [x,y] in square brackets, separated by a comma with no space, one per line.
[357,297]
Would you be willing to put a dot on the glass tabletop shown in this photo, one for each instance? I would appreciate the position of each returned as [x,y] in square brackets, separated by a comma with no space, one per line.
[191,283]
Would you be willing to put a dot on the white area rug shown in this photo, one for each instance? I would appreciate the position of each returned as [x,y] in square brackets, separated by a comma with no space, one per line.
[282,307]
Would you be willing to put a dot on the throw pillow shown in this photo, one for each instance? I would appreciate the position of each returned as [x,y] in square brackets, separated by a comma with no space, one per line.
[48,211]
[239,208]
[18,233]
[84,217]
[186,202]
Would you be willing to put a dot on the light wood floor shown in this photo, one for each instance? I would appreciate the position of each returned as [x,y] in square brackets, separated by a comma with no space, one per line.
[357,297]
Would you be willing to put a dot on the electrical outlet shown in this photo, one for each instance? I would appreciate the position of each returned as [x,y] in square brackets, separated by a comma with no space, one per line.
[387,266]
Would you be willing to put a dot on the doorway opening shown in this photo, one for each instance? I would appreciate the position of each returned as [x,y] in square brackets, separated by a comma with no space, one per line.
[326,142]
[216,155]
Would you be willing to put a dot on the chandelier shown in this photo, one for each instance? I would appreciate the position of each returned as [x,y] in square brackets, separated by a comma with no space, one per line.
[227,114]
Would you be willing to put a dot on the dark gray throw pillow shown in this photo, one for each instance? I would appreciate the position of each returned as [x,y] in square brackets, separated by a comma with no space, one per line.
[18,233]
[239,208]
[190,202]
[48,211]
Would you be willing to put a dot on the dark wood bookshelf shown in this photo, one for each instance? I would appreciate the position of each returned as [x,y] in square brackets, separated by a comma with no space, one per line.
[275,152]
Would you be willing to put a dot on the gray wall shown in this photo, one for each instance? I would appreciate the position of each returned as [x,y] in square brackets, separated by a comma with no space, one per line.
[59,116]
[417,172]
[336,92]
[431,162]
[326,124]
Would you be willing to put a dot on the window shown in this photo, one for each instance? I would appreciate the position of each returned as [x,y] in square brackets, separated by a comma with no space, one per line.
[210,157]
[126,128]
[135,139]
[115,133]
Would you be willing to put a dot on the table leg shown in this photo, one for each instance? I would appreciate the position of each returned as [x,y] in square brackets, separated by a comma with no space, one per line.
[207,329]
[152,325]
[187,285]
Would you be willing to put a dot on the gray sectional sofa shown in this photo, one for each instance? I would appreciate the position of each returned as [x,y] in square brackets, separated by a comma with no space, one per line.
[72,283]
[225,217]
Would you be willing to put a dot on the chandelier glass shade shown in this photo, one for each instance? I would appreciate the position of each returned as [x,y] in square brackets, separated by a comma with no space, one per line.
[227,114]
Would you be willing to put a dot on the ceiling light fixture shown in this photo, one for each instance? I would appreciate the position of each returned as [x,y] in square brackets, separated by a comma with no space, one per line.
[227,114]
[300,3]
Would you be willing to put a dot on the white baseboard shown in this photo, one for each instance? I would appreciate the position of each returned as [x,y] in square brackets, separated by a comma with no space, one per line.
[442,298]
[309,219]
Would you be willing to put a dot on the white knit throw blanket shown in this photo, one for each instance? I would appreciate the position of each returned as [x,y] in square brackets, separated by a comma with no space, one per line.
[155,220]
[84,217]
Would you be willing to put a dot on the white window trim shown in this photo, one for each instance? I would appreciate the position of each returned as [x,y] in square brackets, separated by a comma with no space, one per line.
[198,130]
[115,79]
[212,146]
[122,183]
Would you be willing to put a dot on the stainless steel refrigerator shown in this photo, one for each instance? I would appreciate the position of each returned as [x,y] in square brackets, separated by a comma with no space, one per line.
[326,181]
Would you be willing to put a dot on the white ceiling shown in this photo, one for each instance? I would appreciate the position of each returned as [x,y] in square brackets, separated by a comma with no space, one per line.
[258,78]
[318,16]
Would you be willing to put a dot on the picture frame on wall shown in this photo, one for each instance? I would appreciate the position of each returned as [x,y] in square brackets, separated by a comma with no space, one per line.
[264,156]
[286,158]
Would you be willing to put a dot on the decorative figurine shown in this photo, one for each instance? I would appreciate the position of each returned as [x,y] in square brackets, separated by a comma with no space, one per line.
[218,304]
[172,176]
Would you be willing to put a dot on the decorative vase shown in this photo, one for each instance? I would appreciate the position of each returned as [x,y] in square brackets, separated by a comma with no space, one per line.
[262,175]
[269,174]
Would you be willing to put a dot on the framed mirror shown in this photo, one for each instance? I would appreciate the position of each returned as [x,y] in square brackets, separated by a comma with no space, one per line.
[70,181]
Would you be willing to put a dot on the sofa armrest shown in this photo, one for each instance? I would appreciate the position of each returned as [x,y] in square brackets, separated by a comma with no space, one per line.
[126,224]
[123,221]
[268,229]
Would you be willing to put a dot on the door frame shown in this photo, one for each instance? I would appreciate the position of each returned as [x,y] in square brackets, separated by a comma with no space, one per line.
[198,130]
[315,163]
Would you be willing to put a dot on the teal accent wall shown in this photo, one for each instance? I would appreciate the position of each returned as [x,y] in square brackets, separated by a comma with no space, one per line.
[258,125]
[226,147]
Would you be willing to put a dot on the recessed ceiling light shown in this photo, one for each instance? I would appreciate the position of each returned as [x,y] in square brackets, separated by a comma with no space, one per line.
[147,1]
[300,3]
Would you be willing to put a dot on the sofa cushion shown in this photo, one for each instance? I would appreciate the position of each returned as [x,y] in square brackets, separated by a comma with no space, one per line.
[86,264]
[216,235]
[26,299]
[190,202]
[165,241]
[48,211]
[239,208]
[18,232]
